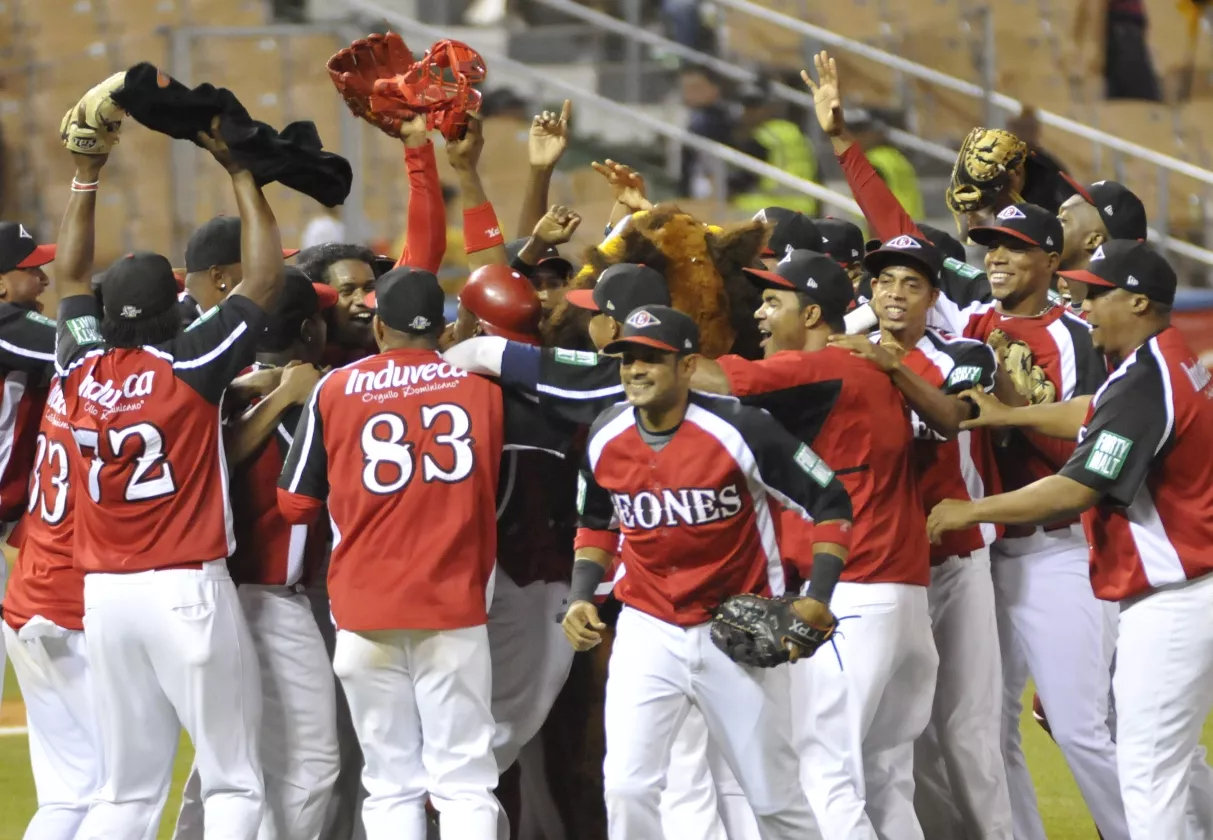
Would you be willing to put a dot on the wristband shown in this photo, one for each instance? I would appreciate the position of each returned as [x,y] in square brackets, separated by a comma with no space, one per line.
[827,568]
[837,532]
[481,230]
[77,186]
[586,576]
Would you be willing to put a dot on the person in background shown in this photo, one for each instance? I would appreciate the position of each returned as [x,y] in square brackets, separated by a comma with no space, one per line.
[890,164]
[325,226]
[1050,193]
[767,134]
[1111,34]
[711,116]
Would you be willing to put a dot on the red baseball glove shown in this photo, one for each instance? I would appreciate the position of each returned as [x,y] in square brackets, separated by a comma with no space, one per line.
[439,86]
[355,69]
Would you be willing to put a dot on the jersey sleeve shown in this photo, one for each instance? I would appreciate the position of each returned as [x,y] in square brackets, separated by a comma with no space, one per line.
[27,340]
[975,366]
[425,238]
[304,483]
[880,206]
[597,525]
[213,350]
[1127,429]
[527,426]
[747,378]
[77,330]
[575,385]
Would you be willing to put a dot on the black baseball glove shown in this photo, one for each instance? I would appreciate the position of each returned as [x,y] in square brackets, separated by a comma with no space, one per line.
[757,631]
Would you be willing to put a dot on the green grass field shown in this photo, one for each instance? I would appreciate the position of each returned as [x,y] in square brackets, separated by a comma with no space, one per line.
[1065,817]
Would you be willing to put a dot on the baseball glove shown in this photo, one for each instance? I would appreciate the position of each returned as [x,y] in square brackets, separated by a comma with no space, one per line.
[90,127]
[983,168]
[756,631]
[1028,377]
[355,69]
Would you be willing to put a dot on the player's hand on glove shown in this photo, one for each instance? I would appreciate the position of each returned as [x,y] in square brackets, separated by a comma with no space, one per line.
[859,345]
[214,143]
[627,185]
[765,632]
[581,625]
[991,412]
[949,515]
[549,137]
[355,69]
[827,95]
[414,132]
[464,153]
[557,226]
[299,380]
[91,126]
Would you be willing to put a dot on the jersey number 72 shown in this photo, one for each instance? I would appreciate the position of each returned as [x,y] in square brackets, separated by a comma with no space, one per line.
[152,476]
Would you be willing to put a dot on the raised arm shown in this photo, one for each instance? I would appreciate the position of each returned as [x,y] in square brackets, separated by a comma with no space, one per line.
[628,188]
[77,234]
[547,143]
[481,231]
[425,237]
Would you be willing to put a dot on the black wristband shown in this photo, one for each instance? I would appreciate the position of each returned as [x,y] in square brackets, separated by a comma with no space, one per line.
[827,568]
[586,576]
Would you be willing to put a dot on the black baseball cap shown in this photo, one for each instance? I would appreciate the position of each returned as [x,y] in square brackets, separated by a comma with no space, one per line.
[622,288]
[841,239]
[550,258]
[139,286]
[1025,222]
[1121,210]
[217,242]
[793,231]
[660,327]
[1130,265]
[818,276]
[906,251]
[19,249]
[409,300]
[949,246]
[299,300]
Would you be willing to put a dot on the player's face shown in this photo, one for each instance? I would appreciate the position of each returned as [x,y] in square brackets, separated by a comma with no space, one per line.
[467,325]
[901,298]
[1017,269]
[23,287]
[781,323]
[353,280]
[652,378]
[1079,220]
[855,272]
[1110,312]
[551,286]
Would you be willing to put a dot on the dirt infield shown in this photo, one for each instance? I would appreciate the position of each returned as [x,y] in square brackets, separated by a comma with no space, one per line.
[12,713]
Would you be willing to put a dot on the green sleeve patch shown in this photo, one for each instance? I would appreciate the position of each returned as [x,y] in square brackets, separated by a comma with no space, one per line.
[1108,455]
[582,358]
[203,318]
[968,272]
[84,330]
[964,374]
[39,318]
[816,468]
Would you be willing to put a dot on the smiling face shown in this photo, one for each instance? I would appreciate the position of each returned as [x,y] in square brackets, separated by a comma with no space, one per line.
[1017,269]
[654,379]
[901,298]
[782,323]
[1111,313]
[353,280]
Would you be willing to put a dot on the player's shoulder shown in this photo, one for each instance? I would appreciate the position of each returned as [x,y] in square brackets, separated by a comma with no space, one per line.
[747,419]
[610,422]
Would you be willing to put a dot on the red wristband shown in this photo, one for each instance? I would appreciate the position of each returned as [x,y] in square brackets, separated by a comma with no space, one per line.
[838,531]
[481,230]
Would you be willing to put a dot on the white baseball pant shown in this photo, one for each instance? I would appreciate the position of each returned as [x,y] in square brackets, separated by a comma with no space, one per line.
[958,766]
[3,585]
[299,758]
[420,702]
[1164,692]
[1052,627]
[657,670]
[168,649]
[855,724]
[51,666]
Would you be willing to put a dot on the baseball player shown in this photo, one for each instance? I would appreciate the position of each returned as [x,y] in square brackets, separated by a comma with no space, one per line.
[1101,212]
[791,231]
[958,766]
[686,480]
[1140,477]
[212,266]
[856,722]
[843,241]
[168,644]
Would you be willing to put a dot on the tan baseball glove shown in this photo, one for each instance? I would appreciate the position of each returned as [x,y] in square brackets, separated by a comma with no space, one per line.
[983,168]
[90,127]
[1028,377]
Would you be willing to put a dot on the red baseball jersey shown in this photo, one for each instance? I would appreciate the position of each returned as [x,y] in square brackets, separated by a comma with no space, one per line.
[27,362]
[1147,447]
[45,582]
[692,505]
[962,468]
[146,422]
[269,550]
[850,412]
[406,450]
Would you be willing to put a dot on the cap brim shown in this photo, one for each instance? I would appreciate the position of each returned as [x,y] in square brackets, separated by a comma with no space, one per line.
[1084,276]
[326,296]
[987,234]
[767,252]
[582,299]
[621,344]
[41,255]
[769,279]
[287,253]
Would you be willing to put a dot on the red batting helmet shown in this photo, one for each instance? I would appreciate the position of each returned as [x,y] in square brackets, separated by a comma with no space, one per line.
[505,303]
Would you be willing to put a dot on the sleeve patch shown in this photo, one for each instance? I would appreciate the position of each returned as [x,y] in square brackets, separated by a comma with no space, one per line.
[39,318]
[816,468]
[1108,455]
[964,373]
[203,318]
[965,270]
[84,330]
[582,358]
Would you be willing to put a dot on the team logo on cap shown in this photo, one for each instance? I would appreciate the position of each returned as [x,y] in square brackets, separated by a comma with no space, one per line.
[1048,240]
[1012,212]
[641,318]
[787,251]
[1132,281]
[419,323]
[902,242]
[1098,255]
[129,311]
[824,240]
[23,233]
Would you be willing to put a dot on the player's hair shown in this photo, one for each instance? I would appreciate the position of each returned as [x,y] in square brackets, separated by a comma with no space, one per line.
[316,261]
[834,322]
[154,330]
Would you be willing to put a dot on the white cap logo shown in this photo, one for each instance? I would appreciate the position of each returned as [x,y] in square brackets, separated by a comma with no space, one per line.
[1108,209]
[823,239]
[23,233]
[1132,281]
[854,253]
[1098,255]
[641,318]
[686,342]
[1048,240]
[129,311]
[760,216]
[610,304]
[902,242]
[811,283]
[1012,212]
[787,251]
[419,323]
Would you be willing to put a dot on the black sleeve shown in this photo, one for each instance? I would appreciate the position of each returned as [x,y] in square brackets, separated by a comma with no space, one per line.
[964,284]
[212,351]
[285,433]
[574,385]
[1128,428]
[1092,367]
[975,365]
[305,471]
[595,510]
[527,426]
[791,471]
[27,340]
[77,330]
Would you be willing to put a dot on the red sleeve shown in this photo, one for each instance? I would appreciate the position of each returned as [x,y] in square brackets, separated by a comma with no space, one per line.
[884,213]
[425,238]
[747,378]
[608,541]
[298,509]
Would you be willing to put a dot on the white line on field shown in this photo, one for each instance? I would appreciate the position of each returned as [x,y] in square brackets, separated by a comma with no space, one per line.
[13,730]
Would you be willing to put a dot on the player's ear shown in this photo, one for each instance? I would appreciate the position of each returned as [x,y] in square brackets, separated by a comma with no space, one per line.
[4,286]
[1092,241]
[687,365]
[1054,262]
[934,296]
[812,315]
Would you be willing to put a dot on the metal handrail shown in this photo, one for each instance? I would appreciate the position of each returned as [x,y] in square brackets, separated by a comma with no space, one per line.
[729,70]
[961,86]
[709,147]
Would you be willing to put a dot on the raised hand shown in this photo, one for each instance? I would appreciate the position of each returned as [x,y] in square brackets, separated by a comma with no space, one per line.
[557,226]
[627,185]
[827,96]
[214,143]
[549,137]
[464,153]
